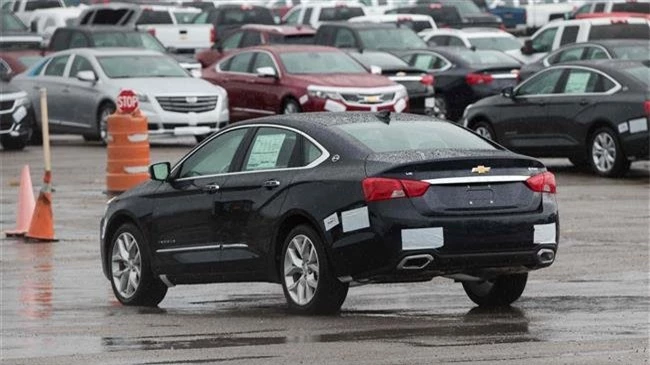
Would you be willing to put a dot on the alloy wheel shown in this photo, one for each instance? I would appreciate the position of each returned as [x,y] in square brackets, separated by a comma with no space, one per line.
[603,152]
[291,108]
[440,108]
[483,132]
[126,265]
[103,124]
[301,269]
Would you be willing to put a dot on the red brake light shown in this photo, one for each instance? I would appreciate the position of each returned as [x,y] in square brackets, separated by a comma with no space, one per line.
[427,80]
[378,188]
[646,107]
[478,79]
[542,183]
[152,31]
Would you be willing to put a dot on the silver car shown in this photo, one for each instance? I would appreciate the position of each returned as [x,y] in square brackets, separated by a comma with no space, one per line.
[82,85]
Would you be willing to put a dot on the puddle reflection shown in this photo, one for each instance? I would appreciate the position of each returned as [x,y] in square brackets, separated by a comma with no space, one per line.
[35,290]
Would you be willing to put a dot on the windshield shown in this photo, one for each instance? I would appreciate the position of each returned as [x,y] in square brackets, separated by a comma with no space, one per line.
[19,46]
[464,7]
[29,61]
[417,25]
[10,23]
[390,38]
[329,14]
[133,66]
[134,40]
[409,136]
[485,58]
[631,52]
[383,60]
[496,43]
[320,63]
[291,39]
[253,15]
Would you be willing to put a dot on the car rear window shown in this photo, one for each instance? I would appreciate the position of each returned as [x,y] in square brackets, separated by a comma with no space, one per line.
[339,13]
[481,58]
[184,17]
[415,25]
[155,17]
[245,15]
[390,38]
[122,39]
[10,23]
[619,31]
[8,45]
[291,39]
[320,63]
[631,7]
[42,4]
[29,61]
[632,51]
[496,43]
[410,136]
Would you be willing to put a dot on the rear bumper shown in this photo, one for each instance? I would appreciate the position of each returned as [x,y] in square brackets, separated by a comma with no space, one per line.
[636,144]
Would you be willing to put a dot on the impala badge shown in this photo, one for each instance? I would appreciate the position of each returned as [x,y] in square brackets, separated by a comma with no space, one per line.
[480,169]
[191,99]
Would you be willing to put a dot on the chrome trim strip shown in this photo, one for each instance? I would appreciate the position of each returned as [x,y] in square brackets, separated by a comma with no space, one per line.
[504,76]
[195,248]
[476,179]
[13,96]
[234,245]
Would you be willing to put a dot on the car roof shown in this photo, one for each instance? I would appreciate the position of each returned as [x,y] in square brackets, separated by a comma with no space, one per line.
[102,28]
[389,17]
[360,25]
[281,29]
[109,51]
[599,21]
[281,48]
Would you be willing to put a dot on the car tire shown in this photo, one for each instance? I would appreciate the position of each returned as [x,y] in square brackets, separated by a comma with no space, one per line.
[101,128]
[606,157]
[291,106]
[308,282]
[501,291]
[132,280]
[484,129]
[13,143]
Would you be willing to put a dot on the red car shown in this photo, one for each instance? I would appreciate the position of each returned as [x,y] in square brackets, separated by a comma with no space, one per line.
[254,35]
[267,80]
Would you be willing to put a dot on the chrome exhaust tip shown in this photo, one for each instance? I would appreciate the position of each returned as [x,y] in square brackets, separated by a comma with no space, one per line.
[545,256]
[414,262]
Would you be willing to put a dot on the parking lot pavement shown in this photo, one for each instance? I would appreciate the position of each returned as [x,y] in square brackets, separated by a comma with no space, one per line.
[591,306]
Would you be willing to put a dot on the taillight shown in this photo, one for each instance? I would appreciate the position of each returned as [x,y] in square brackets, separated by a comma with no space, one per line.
[646,107]
[213,35]
[427,80]
[478,79]
[152,31]
[379,188]
[542,183]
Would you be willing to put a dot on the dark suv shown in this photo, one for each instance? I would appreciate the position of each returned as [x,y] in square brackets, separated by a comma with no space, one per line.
[372,36]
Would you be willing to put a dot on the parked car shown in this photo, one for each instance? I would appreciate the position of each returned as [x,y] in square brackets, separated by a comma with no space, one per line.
[418,83]
[464,76]
[514,16]
[267,80]
[479,38]
[610,6]
[594,113]
[16,117]
[13,62]
[625,49]
[419,23]
[25,8]
[83,84]
[45,21]
[160,21]
[467,14]
[15,35]
[228,18]
[111,36]
[540,12]
[314,14]
[559,33]
[316,202]
[256,34]
[367,36]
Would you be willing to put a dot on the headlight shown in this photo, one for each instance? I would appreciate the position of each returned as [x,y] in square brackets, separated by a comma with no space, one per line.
[323,94]
[22,101]
[143,98]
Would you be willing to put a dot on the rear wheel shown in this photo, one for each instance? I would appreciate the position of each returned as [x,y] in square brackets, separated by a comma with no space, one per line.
[607,157]
[101,129]
[484,129]
[501,291]
[309,285]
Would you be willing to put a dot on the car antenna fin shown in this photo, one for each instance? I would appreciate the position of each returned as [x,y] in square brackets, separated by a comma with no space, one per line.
[383,116]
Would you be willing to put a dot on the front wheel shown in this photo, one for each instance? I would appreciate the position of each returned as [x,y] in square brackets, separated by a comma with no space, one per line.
[309,285]
[607,157]
[101,129]
[484,130]
[501,291]
[132,280]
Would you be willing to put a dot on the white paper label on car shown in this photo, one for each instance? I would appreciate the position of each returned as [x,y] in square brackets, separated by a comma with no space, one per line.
[400,105]
[429,102]
[333,106]
[544,233]
[303,99]
[638,125]
[622,128]
[19,114]
[355,219]
[265,151]
[422,238]
[331,221]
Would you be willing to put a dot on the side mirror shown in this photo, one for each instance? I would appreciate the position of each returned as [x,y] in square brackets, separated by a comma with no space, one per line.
[527,48]
[88,76]
[159,171]
[508,92]
[266,72]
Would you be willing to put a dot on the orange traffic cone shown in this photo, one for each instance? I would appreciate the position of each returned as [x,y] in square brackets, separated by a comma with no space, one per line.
[42,226]
[25,204]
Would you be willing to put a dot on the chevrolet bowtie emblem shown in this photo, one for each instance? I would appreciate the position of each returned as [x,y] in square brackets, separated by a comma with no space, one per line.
[480,169]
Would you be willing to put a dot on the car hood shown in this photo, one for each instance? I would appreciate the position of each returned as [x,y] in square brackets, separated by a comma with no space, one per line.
[182,58]
[168,85]
[344,80]
[7,88]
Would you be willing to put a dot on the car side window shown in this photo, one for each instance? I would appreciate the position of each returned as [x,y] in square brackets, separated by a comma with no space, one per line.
[263,60]
[60,40]
[56,67]
[240,62]
[292,17]
[78,40]
[344,38]
[310,152]
[570,55]
[306,19]
[232,41]
[596,53]
[599,8]
[582,81]
[80,64]
[250,39]
[569,35]
[455,41]
[441,40]
[542,83]
[272,148]
[428,61]
[544,41]
[215,157]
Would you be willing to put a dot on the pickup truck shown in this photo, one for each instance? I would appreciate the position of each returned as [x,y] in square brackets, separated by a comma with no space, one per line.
[539,12]
[161,21]
[514,17]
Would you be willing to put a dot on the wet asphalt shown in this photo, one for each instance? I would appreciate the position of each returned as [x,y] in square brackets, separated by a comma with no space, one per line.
[590,307]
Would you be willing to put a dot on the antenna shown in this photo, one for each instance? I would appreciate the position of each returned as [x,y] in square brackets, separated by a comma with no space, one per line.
[384,116]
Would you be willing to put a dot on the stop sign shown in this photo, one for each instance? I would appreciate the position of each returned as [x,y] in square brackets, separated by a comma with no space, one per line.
[127,101]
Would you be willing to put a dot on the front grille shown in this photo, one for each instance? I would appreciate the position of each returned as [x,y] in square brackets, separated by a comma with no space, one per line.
[187,104]
[6,105]
[368,99]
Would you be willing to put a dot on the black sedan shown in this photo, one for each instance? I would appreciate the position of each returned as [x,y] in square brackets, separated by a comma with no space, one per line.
[595,113]
[318,201]
[624,49]
[418,83]
[463,76]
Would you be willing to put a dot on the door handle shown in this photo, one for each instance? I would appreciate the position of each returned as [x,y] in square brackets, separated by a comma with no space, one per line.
[66,90]
[210,188]
[584,102]
[270,184]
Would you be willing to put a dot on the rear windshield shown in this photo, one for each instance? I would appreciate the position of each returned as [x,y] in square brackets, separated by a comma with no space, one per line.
[320,63]
[339,13]
[640,72]
[496,43]
[9,45]
[619,31]
[42,4]
[109,16]
[417,25]
[409,136]
[155,17]
[291,39]
[383,60]
[133,39]
[10,23]
[631,7]
[631,51]
[255,15]
[184,17]
[391,38]
[485,58]
[29,61]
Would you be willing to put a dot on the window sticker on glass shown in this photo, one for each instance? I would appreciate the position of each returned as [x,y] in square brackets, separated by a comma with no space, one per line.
[265,151]
[577,82]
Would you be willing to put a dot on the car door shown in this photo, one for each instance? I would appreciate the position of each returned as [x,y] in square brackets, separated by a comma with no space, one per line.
[235,74]
[186,230]
[52,79]
[251,199]
[83,96]
[266,90]
[522,120]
